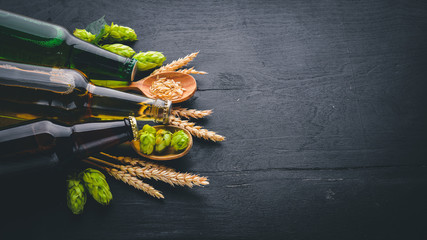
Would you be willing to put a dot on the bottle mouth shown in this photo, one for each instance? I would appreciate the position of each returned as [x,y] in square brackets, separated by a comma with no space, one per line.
[130,68]
[163,111]
[134,70]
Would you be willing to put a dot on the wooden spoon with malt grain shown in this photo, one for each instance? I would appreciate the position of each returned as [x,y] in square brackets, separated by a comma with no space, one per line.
[164,88]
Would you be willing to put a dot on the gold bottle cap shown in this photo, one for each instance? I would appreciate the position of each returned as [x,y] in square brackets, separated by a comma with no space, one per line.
[134,127]
[161,111]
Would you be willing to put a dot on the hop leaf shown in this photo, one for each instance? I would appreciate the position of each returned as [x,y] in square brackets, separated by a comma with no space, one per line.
[84,35]
[179,140]
[97,186]
[149,60]
[163,139]
[118,33]
[119,49]
[76,196]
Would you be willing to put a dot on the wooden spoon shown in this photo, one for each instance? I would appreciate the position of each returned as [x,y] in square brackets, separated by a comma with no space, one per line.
[168,154]
[187,81]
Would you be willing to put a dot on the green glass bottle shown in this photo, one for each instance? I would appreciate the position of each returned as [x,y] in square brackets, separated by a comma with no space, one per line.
[27,40]
[31,92]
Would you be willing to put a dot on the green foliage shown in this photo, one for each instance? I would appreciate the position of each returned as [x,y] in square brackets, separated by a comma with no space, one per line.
[119,49]
[100,32]
[147,139]
[179,140]
[96,27]
[76,195]
[149,60]
[149,129]
[163,139]
[96,185]
[117,33]
[84,35]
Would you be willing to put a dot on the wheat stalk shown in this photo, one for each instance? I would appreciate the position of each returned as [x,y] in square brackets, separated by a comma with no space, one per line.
[191,71]
[137,162]
[176,64]
[171,177]
[129,179]
[190,113]
[134,182]
[156,172]
[197,131]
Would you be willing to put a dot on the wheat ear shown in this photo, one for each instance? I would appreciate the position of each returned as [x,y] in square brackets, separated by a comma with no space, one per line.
[137,162]
[165,175]
[190,113]
[176,64]
[171,177]
[197,131]
[130,180]
[191,71]
[134,182]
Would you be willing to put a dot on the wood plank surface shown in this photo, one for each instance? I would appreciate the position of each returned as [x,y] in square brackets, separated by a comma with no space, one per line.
[323,105]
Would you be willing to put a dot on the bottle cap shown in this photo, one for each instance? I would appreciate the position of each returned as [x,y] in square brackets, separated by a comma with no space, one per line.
[161,111]
[134,127]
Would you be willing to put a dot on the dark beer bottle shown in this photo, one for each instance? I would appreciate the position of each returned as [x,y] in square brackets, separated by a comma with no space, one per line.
[31,92]
[27,40]
[43,144]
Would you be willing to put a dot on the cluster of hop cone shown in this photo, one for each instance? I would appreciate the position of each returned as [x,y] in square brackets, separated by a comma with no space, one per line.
[133,170]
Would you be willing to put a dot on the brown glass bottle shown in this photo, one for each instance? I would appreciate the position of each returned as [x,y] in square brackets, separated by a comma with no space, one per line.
[43,144]
[32,41]
[31,92]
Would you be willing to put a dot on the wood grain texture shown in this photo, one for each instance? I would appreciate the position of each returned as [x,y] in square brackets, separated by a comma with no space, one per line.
[323,105]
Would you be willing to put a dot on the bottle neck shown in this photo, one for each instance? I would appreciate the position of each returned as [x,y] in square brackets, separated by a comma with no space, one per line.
[89,138]
[110,104]
[98,63]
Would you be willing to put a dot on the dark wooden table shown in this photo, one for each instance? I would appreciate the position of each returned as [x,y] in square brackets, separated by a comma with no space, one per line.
[323,104]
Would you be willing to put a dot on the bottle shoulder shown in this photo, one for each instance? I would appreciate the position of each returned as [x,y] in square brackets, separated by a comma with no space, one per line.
[51,129]
[55,80]
[32,30]
[31,138]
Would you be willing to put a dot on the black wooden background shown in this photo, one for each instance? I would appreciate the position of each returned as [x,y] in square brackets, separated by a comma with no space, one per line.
[323,105]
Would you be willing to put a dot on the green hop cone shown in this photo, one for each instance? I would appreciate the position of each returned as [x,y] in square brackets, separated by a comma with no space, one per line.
[84,35]
[149,60]
[163,139]
[119,49]
[76,196]
[118,33]
[147,142]
[179,140]
[97,186]
[149,129]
